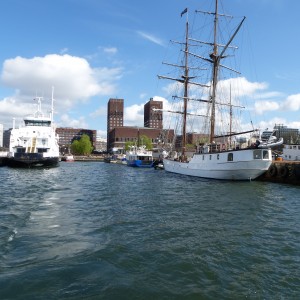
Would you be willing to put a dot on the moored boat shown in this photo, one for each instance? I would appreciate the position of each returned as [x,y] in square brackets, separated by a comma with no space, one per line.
[68,158]
[220,154]
[34,144]
[291,152]
[139,157]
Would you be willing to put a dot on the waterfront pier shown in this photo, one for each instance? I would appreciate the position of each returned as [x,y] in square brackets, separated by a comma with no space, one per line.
[283,171]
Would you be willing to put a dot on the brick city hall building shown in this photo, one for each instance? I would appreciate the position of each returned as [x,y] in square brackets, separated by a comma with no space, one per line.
[118,134]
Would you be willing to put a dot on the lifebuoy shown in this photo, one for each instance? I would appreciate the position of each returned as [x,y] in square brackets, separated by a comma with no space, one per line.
[283,171]
[273,171]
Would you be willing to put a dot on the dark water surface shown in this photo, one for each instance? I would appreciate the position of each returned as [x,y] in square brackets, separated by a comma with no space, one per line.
[104,231]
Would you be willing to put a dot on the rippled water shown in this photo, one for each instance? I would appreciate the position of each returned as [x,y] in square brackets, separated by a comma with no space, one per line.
[105,231]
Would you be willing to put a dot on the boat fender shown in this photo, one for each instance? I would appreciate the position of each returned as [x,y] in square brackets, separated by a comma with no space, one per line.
[296,171]
[273,171]
[283,171]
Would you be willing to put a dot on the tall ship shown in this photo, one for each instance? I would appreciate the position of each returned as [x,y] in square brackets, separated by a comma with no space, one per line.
[222,152]
[35,143]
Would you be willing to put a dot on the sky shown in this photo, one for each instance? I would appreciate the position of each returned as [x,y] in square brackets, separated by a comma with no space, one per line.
[94,50]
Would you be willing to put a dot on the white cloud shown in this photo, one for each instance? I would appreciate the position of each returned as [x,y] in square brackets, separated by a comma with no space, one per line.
[150,38]
[64,51]
[241,87]
[268,95]
[292,102]
[11,108]
[66,121]
[262,106]
[110,50]
[74,80]
[101,111]
[102,133]
[134,115]
[143,96]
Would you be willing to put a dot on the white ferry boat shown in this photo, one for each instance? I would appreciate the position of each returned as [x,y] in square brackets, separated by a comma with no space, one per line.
[35,144]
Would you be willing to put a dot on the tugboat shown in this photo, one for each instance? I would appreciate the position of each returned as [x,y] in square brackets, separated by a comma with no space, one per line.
[35,144]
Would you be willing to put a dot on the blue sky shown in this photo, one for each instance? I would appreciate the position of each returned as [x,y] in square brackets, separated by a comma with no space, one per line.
[93,50]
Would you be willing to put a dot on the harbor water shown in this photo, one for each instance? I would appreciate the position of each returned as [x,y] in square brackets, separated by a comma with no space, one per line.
[91,230]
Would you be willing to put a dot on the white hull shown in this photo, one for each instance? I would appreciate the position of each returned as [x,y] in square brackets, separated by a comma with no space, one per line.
[246,164]
[291,152]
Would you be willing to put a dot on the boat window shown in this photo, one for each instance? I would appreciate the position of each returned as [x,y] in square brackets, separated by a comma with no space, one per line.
[257,154]
[210,157]
[218,156]
[266,154]
[230,157]
[37,123]
[202,157]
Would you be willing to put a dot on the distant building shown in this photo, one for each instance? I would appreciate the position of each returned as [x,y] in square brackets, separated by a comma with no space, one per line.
[101,144]
[68,135]
[120,135]
[115,116]
[192,140]
[289,135]
[153,118]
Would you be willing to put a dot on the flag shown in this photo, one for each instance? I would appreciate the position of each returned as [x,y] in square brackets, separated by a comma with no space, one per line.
[185,11]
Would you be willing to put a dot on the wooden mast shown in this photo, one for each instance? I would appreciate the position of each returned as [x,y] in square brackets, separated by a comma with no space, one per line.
[215,59]
[185,97]
[230,120]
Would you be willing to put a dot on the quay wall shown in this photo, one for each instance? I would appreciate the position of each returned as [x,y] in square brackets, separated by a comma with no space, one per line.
[283,172]
[88,158]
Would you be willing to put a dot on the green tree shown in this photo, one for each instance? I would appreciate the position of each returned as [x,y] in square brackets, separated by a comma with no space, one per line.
[83,146]
[128,145]
[144,140]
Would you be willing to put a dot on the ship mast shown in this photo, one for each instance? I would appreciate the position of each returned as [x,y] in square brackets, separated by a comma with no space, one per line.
[185,96]
[215,59]
[230,120]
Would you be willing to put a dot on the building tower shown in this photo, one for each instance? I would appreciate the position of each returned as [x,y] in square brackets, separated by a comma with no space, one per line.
[115,112]
[152,118]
